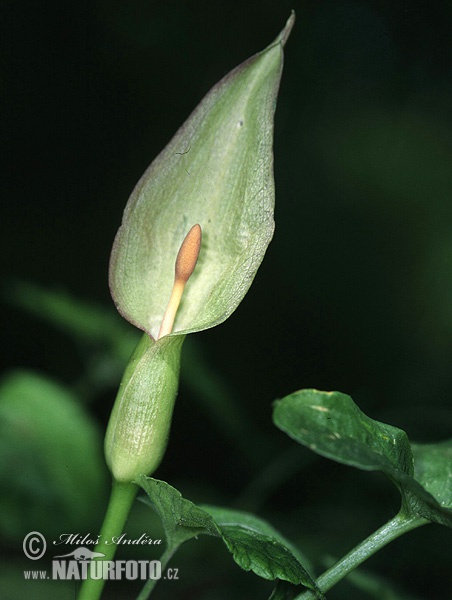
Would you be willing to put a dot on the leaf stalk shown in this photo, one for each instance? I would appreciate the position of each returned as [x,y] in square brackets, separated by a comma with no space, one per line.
[390,531]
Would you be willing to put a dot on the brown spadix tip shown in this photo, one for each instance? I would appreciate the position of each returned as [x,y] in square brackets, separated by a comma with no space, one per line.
[188,254]
[185,265]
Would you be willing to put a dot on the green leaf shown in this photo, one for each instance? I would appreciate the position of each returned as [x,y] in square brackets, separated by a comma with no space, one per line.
[216,171]
[433,470]
[51,466]
[332,425]
[255,545]
[181,519]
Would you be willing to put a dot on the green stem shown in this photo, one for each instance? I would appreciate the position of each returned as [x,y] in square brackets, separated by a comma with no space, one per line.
[121,500]
[391,530]
[151,583]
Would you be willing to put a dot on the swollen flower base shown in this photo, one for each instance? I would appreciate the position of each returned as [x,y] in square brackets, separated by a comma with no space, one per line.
[139,426]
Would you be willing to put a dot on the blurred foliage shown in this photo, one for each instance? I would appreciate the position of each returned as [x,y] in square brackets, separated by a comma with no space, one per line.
[51,467]
[355,293]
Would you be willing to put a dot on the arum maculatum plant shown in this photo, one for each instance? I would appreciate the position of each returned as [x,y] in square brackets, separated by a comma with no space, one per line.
[193,234]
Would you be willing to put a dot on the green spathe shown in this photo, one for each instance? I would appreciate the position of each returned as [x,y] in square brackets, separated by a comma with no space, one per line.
[139,425]
[216,171]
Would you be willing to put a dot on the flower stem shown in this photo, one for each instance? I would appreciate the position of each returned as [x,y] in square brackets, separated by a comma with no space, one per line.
[390,531]
[121,500]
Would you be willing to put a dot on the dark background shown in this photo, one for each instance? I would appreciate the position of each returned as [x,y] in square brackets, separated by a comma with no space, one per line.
[355,292]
